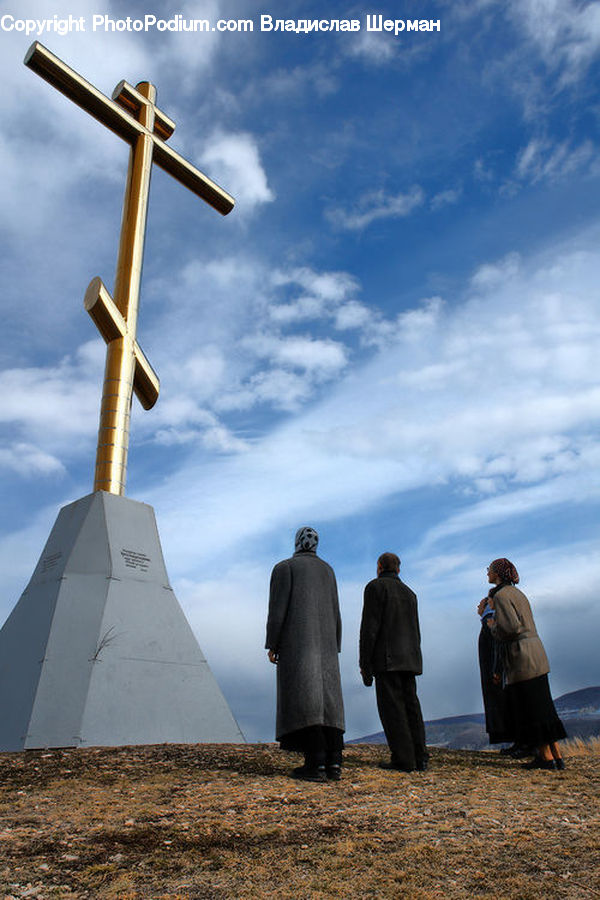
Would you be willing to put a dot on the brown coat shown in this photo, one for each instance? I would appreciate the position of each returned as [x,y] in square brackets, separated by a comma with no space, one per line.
[524,653]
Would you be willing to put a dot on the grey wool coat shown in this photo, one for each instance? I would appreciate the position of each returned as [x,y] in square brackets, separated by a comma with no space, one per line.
[304,628]
[524,654]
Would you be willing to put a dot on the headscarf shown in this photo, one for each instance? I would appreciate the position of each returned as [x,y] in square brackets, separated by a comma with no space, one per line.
[505,570]
[306,539]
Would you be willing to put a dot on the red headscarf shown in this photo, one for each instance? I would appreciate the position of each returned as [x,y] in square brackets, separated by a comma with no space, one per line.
[505,570]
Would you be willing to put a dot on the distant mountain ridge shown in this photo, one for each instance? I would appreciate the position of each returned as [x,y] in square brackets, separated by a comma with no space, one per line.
[580,711]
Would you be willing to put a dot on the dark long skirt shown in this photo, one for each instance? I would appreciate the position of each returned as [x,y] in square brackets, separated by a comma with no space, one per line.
[497,714]
[533,712]
[314,739]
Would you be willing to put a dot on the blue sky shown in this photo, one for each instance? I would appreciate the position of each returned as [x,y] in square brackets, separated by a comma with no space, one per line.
[393,337]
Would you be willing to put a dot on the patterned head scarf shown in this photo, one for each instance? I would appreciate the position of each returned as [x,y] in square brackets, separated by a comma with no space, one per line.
[505,570]
[306,539]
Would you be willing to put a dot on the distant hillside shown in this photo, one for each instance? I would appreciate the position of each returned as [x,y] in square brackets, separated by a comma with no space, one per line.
[582,703]
[580,711]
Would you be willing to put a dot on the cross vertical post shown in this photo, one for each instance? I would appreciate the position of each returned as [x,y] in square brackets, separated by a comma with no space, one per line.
[119,374]
[132,114]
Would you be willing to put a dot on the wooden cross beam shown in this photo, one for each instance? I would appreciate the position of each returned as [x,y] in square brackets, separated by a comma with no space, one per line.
[133,115]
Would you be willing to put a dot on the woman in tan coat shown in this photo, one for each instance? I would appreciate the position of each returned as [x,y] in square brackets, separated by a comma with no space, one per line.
[535,720]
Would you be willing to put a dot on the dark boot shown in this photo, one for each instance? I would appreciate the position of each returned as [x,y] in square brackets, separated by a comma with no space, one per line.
[538,763]
[333,765]
[423,763]
[522,751]
[393,766]
[313,768]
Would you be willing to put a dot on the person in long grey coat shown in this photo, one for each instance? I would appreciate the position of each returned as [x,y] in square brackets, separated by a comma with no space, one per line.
[304,633]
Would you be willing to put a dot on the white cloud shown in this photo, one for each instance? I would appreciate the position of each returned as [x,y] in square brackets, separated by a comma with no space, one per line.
[58,129]
[200,383]
[352,315]
[444,398]
[490,275]
[204,371]
[322,358]
[566,33]
[327,287]
[187,423]
[374,206]
[376,49]
[180,54]
[481,397]
[322,295]
[235,161]
[482,172]
[445,198]
[304,81]
[565,489]
[247,358]
[541,159]
[281,389]
[25,459]
[300,310]
[41,402]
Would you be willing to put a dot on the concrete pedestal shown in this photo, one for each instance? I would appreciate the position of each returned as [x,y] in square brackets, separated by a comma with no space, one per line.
[98,650]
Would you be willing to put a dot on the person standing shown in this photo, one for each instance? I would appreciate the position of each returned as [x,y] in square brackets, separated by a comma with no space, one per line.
[491,668]
[390,652]
[533,714]
[304,634]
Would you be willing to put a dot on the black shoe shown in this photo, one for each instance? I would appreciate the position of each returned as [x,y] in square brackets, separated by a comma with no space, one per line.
[310,773]
[334,772]
[393,766]
[508,751]
[422,765]
[539,763]
[521,752]
[560,764]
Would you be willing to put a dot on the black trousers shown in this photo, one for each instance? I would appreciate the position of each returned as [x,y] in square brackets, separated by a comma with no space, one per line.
[400,714]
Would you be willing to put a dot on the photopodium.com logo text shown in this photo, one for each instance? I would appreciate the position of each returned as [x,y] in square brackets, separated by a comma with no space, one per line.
[178,23]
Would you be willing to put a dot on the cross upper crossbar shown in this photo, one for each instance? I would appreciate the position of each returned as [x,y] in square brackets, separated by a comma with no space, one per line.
[133,115]
[116,114]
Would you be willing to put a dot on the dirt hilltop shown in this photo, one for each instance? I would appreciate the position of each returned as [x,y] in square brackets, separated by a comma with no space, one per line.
[199,822]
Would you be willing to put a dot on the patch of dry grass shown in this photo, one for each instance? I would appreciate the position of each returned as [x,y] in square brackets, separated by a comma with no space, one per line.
[213,822]
[581,747]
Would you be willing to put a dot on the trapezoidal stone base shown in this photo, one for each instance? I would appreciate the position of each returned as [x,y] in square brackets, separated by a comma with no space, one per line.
[97,651]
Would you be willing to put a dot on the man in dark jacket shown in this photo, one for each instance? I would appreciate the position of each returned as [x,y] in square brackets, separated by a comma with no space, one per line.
[304,634]
[390,650]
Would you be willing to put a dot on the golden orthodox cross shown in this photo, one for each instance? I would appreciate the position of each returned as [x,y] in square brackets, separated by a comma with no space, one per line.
[133,115]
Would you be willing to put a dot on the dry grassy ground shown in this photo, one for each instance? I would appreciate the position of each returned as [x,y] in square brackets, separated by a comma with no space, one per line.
[213,821]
